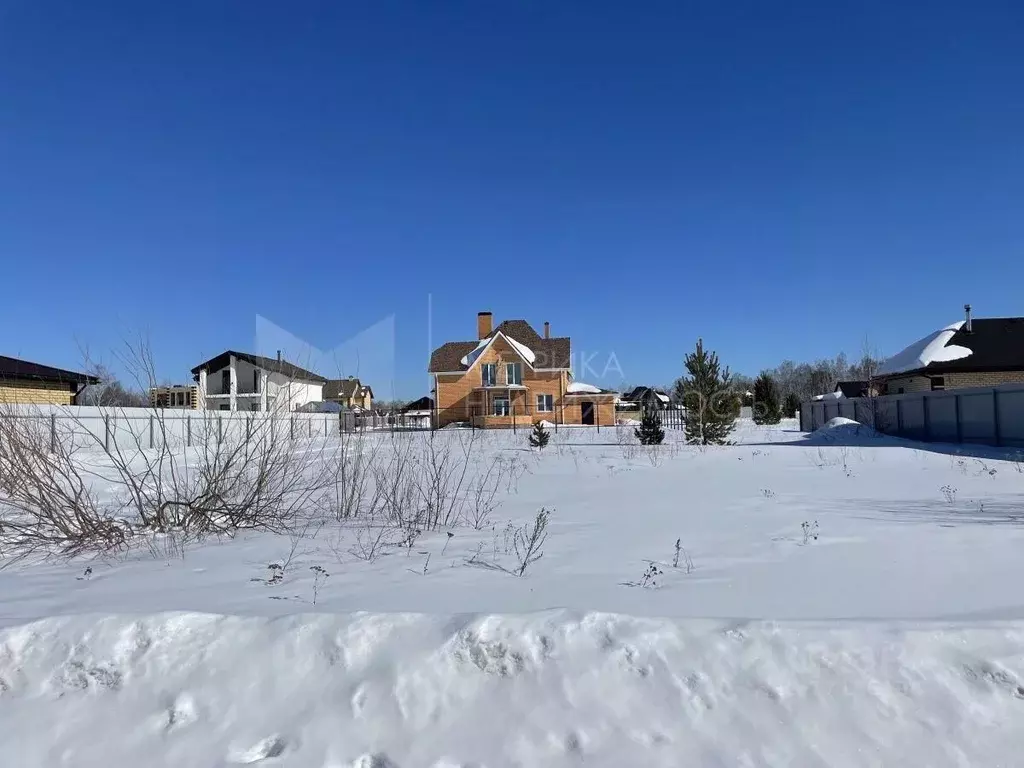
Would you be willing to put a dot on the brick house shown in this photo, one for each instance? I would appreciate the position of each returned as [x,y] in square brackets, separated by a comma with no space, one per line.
[349,393]
[23,382]
[975,352]
[511,375]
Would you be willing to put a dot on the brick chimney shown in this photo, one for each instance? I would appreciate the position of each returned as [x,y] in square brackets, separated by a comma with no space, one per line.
[483,324]
[547,330]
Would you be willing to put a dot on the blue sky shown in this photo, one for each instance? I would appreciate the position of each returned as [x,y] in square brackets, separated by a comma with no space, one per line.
[782,179]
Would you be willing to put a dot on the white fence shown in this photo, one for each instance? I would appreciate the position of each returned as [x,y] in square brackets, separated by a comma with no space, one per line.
[982,415]
[130,428]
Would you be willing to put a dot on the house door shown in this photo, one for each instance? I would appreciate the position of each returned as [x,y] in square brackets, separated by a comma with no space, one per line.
[587,413]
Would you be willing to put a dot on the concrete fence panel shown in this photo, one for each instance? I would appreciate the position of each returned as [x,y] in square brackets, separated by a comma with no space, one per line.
[977,417]
[942,415]
[1011,418]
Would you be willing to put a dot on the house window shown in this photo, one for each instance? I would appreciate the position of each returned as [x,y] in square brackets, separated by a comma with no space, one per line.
[938,382]
[899,391]
[514,373]
[256,381]
[545,403]
[254,407]
[489,372]
[225,407]
[501,406]
[225,382]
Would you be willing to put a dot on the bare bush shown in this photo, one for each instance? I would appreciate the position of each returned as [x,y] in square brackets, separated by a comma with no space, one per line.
[528,540]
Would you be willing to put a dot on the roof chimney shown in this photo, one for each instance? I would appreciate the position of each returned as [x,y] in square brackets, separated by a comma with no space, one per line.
[483,325]
[547,330]
[279,355]
[967,313]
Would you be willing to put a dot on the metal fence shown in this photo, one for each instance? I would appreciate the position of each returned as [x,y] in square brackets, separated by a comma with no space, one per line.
[982,415]
[130,428]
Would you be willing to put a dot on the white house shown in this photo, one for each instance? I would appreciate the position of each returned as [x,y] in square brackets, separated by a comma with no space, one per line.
[237,381]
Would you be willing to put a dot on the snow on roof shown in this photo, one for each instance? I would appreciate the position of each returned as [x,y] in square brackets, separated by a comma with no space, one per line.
[924,352]
[522,349]
[663,398]
[579,386]
[837,395]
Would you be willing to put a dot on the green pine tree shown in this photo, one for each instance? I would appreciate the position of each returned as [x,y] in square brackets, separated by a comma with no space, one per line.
[711,405]
[792,405]
[767,408]
[539,436]
[650,432]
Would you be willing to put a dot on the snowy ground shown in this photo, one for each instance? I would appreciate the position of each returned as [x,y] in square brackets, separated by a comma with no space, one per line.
[889,634]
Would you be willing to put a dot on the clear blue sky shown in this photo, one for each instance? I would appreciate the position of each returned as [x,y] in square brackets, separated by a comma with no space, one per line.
[779,178]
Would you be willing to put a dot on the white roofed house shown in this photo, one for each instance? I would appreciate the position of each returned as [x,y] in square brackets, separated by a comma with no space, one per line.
[973,352]
[238,381]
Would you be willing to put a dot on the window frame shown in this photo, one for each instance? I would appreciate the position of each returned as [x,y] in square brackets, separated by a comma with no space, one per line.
[543,398]
[495,411]
[484,368]
[518,369]
[941,386]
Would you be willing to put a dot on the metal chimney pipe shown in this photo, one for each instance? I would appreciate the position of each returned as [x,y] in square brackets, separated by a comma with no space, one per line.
[967,314]
[547,330]
[279,355]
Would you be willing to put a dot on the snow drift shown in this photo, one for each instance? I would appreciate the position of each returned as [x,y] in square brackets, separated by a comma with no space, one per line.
[841,429]
[554,689]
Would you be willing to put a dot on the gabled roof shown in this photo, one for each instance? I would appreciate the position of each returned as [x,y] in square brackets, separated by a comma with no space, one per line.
[344,388]
[13,368]
[992,344]
[852,388]
[423,404]
[270,364]
[638,393]
[548,353]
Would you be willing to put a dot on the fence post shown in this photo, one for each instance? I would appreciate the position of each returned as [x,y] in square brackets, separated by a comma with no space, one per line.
[874,414]
[106,432]
[927,417]
[959,425]
[53,433]
[995,416]
[188,430]
[150,430]
[597,416]
[291,427]
[899,417]
[513,406]
[220,429]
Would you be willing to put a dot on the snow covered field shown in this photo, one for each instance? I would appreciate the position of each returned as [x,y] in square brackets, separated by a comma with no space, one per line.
[852,600]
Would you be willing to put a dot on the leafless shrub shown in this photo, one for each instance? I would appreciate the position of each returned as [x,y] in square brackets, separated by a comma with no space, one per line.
[442,470]
[528,540]
[628,443]
[46,504]
[684,556]
[483,492]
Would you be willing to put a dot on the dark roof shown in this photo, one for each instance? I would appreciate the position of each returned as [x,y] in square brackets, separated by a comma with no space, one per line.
[13,368]
[266,363]
[852,388]
[343,388]
[638,393]
[996,344]
[423,404]
[550,353]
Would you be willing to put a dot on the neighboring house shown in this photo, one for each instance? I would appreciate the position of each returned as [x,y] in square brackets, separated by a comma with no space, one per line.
[647,398]
[975,352]
[512,375]
[23,382]
[852,388]
[348,393]
[423,406]
[237,381]
[184,396]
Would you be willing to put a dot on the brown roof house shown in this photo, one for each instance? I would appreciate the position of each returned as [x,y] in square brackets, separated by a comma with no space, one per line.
[23,382]
[512,376]
[974,352]
[349,393]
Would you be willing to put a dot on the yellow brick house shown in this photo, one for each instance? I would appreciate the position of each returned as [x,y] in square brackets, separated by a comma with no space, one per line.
[24,382]
[512,376]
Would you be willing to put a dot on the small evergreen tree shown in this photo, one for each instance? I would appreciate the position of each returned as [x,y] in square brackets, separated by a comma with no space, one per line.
[539,436]
[767,408]
[711,405]
[792,405]
[650,432]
